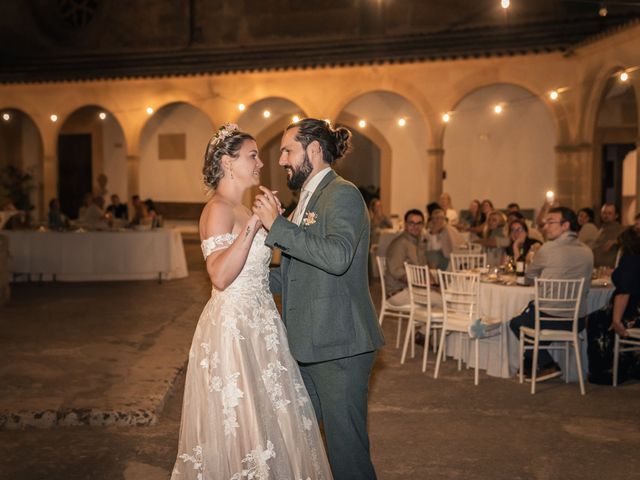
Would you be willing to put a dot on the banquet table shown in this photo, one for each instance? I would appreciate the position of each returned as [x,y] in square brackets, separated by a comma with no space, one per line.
[97,256]
[498,355]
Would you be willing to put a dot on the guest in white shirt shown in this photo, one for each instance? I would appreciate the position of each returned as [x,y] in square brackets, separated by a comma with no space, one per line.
[91,213]
[450,212]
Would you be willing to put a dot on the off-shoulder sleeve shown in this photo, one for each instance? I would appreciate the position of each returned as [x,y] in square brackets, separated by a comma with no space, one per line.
[217,242]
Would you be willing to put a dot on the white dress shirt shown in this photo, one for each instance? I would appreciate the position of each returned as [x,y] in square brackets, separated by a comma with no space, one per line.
[306,193]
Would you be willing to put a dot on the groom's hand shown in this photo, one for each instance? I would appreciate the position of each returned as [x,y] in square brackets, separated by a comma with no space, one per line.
[267,207]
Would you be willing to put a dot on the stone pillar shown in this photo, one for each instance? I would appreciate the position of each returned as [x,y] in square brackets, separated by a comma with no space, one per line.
[133,175]
[576,178]
[4,270]
[435,159]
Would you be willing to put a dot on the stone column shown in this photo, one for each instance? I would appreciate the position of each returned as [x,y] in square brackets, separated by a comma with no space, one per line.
[133,175]
[435,159]
[576,179]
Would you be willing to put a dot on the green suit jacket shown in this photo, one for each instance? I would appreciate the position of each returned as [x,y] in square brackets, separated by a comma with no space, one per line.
[323,275]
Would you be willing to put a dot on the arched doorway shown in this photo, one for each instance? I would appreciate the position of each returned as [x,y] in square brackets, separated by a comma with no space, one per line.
[392,138]
[91,158]
[615,148]
[21,163]
[505,154]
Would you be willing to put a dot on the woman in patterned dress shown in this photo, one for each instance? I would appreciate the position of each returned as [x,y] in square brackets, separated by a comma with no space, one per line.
[246,413]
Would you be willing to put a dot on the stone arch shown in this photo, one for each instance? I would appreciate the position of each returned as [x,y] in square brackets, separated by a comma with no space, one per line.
[22,146]
[408,175]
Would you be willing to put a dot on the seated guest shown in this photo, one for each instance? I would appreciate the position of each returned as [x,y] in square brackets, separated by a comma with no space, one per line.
[408,247]
[622,313]
[563,256]
[118,209]
[533,232]
[153,213]
[56,220]
[486,207]
[140,213]
[521,243]
[605,246]
[471,219]
[513,207]
[431,207]
[442,239]
[91,211]
[377,220]
[494,239]
[588,231]
[450,212]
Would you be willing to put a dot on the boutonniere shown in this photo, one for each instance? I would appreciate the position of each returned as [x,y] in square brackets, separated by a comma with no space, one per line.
[310,218]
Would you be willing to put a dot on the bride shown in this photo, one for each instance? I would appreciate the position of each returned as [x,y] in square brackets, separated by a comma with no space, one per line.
[246,413]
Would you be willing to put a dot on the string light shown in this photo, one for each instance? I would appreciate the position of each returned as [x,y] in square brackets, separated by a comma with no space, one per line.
[624,76]
[149,111]
[362,123]
[102,115]
[241,107]
[266,114]
[446,117]
[498,109]
[6,117]
[402,122]
[295,119]
[54,118]
[553,95]
[505,4]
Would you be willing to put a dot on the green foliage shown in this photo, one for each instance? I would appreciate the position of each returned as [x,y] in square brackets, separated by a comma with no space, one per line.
[16,186]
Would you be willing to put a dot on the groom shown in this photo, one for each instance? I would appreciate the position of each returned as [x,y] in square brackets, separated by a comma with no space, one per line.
[331,323]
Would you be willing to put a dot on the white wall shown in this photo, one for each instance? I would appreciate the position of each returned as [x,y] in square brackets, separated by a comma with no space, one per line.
[409,169]
[174,180]
[114,157]
[506,158]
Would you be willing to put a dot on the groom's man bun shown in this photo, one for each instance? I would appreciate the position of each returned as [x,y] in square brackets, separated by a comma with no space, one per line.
[335,143]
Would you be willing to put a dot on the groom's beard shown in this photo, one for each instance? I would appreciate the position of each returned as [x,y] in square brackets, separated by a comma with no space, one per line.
[300,175]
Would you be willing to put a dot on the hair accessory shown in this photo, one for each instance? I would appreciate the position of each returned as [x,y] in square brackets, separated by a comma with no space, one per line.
[225,131]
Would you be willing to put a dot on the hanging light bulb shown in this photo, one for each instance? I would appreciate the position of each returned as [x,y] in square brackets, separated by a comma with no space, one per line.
[505,4]
[295,119]
[402,122]
[102,115]
[6,117]
[149,111]
[241,107]
[446,117]
[362,123]
[54,118]
[498,109]
[553,95]
[266,114]
[624,76]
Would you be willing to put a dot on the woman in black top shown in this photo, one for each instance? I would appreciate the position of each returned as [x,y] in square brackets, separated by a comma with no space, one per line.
[626,278]
[521,243]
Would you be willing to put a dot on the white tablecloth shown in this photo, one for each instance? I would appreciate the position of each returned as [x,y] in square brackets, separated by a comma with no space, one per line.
[499,355]
[90,256]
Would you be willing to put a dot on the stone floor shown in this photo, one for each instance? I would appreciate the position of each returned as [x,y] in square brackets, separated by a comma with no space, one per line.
[73,353]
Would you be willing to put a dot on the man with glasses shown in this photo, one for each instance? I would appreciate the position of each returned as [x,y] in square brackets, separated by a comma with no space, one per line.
[563,256]
[605,247]
[410,247]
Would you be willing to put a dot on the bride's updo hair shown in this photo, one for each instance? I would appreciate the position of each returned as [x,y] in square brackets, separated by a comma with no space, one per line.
[335,143]
[227,141]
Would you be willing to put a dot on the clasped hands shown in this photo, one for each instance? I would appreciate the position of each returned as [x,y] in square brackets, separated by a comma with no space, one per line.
[266,206]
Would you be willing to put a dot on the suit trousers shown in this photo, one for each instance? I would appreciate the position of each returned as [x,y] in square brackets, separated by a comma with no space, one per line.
[338,390]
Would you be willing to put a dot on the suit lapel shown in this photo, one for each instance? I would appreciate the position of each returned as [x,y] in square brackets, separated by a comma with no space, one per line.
[329,177]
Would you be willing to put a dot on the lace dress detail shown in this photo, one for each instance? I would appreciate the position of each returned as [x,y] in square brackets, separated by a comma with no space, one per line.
[246,413]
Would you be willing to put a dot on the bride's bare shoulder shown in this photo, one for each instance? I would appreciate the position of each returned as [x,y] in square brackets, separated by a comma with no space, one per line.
[218,218]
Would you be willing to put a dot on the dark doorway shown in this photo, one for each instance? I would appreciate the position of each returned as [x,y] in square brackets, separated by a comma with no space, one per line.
[612,159]
[74,171]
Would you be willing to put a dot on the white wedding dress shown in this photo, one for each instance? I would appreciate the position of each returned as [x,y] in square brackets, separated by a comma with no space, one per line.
[246,413]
